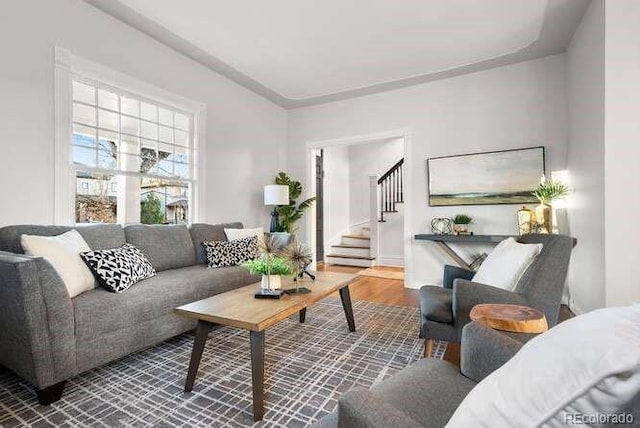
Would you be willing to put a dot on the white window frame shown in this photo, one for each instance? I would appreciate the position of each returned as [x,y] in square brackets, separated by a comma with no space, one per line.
[67,66]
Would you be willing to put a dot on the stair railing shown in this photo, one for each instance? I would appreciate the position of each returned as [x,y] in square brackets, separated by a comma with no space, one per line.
[391,192]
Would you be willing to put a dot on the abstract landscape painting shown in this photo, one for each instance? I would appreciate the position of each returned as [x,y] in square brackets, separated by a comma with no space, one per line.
[504,177]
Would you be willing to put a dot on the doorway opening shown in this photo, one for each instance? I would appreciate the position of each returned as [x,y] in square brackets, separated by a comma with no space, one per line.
[359,221]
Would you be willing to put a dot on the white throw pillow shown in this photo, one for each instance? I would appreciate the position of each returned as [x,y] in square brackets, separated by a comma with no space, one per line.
[588,365]
[506,264]
[243,233]
[63,252]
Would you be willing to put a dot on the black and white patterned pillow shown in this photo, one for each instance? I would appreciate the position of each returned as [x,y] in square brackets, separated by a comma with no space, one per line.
[231,253]
[117,269]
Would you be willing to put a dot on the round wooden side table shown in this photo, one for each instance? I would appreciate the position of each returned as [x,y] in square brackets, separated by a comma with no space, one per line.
[513,318]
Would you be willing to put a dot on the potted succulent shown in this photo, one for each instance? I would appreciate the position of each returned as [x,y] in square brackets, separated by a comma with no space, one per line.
[546,192]
[271,267]
[269,264]
[461,223]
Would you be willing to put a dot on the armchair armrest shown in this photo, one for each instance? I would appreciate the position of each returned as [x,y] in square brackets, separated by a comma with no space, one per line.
[484,350]
[467,294]
[359,408]
[37,338]
[454,272]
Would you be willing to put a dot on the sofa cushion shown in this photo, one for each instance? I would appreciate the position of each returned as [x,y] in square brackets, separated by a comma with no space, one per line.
[588,365]
[201,232]
[166,246]
[436,304]
[98,236]
[117,269]
[99,311]
[428,391]
[63,252]
[231,253]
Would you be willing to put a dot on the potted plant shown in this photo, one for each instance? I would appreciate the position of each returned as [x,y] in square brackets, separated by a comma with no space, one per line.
[461,223]
[546,192]
[271,267]
[289,214]
[300,257]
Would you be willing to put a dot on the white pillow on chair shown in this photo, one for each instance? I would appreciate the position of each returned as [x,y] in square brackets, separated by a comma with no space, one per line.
[586,366]
[506,264]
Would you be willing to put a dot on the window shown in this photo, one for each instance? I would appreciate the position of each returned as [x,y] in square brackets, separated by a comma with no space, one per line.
[132,158]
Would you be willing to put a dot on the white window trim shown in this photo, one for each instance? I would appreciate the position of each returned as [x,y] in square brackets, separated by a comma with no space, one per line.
[66,66]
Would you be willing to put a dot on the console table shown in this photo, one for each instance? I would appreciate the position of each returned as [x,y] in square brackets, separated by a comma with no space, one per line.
[444,240]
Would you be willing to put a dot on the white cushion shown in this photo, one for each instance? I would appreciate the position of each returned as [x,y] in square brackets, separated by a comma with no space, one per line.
[506,264]
[587,365]
[243,233]
[63,252]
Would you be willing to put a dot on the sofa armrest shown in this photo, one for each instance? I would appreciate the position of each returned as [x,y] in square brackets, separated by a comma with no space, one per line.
[484,350]
[37,339]
[360,408]
[452,273]
[467,294]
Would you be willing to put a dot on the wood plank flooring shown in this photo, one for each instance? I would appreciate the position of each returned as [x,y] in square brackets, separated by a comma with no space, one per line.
[378,290]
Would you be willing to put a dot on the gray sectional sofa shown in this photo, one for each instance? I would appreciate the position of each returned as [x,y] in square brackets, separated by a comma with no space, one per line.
[46,337]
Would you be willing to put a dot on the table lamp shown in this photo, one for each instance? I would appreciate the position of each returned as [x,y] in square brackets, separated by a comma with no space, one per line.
[275,194]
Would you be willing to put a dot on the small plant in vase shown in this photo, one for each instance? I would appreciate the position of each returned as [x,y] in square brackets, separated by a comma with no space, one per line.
[461,223]
[300,257]
[271,267]
[546,192]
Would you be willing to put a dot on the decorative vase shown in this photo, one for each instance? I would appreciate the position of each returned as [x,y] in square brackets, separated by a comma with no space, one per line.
[271,282]
[543,218]
[525,221]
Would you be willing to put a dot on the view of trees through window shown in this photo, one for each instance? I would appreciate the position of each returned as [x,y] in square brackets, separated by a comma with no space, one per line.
[130,156]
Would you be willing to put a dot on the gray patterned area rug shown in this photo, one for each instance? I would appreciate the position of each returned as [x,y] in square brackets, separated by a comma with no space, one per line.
[308,366]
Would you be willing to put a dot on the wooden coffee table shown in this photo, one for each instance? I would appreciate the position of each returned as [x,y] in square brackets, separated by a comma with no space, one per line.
[238,308]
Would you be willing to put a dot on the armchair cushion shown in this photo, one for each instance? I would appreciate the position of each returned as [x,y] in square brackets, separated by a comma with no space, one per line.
[436,304]
[506,264]
[451,273]
[587,365]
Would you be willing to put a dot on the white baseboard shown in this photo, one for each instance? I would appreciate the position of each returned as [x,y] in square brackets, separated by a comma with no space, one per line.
[575,308]
[396,261]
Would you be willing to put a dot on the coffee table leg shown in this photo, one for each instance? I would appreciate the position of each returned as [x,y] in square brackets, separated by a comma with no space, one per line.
[348,310]
[303,314]
[202,333]
[257,373]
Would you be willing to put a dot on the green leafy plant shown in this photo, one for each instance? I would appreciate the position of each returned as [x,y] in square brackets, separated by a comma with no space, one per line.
[151,210]
[289,214]
[269,265]
[462,219]
[549,190]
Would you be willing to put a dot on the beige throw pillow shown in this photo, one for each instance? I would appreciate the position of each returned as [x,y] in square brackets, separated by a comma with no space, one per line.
[63,252]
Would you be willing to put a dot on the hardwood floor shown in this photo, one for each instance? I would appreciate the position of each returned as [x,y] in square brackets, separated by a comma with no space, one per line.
[378,290]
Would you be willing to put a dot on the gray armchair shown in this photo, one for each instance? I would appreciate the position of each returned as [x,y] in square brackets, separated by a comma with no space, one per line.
[444,311]
[428,392]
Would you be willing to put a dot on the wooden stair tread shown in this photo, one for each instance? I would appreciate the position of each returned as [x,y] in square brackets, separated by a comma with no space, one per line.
[351,246]
[357,237]
[343,256]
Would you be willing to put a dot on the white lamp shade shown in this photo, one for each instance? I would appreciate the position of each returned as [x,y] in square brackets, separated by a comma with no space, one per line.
[275,194]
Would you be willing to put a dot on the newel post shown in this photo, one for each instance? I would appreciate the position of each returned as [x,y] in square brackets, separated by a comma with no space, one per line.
[373,215]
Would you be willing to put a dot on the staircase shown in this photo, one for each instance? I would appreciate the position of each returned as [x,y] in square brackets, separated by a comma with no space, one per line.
[355,249]
[390,187]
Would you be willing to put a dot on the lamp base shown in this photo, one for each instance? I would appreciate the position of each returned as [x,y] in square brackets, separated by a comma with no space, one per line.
[274,220]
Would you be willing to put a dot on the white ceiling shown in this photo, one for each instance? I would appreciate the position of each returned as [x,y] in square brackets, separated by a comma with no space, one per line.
[300,52]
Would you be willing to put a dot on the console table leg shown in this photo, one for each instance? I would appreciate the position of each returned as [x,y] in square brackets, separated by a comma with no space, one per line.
[303,314]
[257,373]
[346,304]
[202,333]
